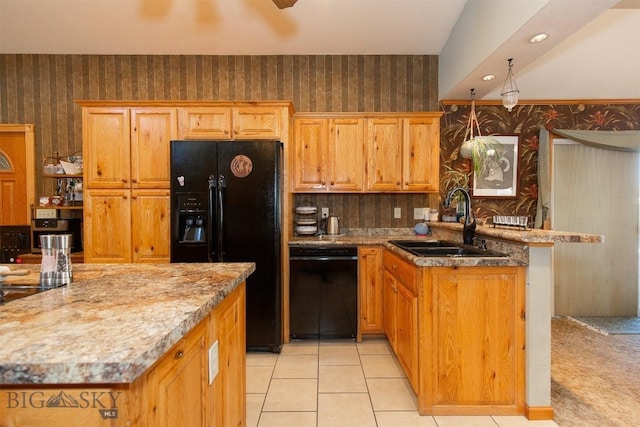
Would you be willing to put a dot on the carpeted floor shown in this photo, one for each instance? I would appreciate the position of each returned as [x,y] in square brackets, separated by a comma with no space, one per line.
[611,324]
[595,378]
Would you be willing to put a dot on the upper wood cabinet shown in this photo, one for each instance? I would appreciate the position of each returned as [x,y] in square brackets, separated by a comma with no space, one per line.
[328,155]
[373,152]
[151,131]
[106,134]
[127,147]
[253,122]
[421,154]
[384,154]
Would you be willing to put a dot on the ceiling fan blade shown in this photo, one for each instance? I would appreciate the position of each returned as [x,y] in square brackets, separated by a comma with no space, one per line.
[284,3]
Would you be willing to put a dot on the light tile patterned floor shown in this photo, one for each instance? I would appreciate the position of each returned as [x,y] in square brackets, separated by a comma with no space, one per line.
[342,384]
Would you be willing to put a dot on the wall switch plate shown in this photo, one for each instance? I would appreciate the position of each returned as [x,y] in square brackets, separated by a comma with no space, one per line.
[213,362]
[418,213]
[397,213]
[325,212]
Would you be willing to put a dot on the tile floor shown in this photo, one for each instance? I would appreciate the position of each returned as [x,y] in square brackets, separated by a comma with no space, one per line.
[343,384]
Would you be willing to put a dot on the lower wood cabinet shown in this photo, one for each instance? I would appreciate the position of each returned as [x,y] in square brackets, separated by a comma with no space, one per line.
[127,226]
[401,313]
[472,352]
[370,291]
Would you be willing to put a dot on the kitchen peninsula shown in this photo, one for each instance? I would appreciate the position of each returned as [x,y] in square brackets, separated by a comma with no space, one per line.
[127,344]
[472,334]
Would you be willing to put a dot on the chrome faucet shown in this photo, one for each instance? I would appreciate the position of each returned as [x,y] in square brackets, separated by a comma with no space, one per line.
[469,227]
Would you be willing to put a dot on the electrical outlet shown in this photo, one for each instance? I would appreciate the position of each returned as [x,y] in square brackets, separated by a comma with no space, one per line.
[397,213]
[213,362]
[325,212]
[418,213]
[46,213]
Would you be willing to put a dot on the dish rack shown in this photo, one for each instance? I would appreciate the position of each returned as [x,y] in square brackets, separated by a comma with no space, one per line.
[306,220]
[512,221]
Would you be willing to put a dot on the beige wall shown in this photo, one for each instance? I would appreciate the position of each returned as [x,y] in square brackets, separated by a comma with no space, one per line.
[42,89]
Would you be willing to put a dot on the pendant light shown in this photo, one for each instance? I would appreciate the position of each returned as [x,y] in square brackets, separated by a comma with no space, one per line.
[509,89]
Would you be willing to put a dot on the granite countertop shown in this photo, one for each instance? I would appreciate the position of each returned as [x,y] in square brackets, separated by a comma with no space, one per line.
[111,324]
[514,242]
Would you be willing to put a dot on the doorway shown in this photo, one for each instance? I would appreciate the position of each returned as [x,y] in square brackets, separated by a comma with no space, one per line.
[17,163]
[596,191]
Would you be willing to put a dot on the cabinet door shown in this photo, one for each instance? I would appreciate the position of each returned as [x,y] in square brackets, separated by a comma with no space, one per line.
[150,225]
[105,147]
[421,154]
[407,333]
[309,154]
[345,166]
[370,293]
[384,154]
[151,131]
[229,403]
[389,311]
[256,123]
[204,123]
[107,226]
[177,386]
[478,335]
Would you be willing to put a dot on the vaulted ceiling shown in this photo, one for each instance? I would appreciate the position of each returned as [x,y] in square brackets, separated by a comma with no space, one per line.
[593,49]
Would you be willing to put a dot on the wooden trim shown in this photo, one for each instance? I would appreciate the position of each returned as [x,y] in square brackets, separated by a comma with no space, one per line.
[365,115]
[543,101]
[166,103]
[535,413]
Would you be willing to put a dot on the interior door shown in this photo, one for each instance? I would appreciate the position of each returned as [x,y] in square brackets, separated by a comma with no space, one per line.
[595,191]
[16,174]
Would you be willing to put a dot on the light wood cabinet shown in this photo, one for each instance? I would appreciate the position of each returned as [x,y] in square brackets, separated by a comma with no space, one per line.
[254,122]
[138,166]
[384,154]
[473,349]
[151,131]
[421,154]
[328,155]
[373,152]
[177,387]
[107,226]
[150,225]
[370,294]
[401,313]
[229,409]
[106,134]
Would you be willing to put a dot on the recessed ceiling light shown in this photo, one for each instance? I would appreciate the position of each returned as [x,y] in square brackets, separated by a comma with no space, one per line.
[538,38]
[488,77]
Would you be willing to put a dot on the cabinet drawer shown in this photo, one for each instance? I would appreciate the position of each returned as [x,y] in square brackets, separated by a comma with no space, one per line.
[403,271]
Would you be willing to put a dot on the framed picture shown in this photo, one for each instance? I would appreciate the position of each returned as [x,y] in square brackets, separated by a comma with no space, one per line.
[498,174]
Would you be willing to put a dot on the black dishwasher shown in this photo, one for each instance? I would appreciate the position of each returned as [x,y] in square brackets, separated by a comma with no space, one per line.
[323,292]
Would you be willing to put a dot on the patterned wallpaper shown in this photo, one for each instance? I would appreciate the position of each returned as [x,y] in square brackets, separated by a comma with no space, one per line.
[524,120]
[42,89]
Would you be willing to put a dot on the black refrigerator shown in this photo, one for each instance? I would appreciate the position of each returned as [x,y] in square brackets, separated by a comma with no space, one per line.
[225,207]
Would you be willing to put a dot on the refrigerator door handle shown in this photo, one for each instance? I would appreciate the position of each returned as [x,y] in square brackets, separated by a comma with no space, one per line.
[222,184]
[210,206]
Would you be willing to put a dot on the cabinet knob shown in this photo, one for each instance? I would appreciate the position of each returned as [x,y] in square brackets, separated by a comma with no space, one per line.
[134,180]
[179,354]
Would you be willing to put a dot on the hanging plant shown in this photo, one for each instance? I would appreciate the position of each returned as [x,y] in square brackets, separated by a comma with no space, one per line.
[478,147]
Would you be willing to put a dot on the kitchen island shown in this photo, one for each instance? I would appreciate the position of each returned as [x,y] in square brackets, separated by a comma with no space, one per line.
[455,301]
[127,344]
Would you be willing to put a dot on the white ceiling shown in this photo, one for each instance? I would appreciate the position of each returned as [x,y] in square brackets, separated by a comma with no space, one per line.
[593,51]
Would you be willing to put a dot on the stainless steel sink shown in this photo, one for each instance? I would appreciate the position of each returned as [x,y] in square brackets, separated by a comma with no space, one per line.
[443,248]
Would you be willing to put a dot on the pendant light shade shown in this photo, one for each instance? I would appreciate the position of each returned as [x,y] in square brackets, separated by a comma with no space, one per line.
[510,90]
[282,4]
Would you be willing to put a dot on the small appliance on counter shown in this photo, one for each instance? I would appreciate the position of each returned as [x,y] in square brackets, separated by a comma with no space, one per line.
[72,226]
[14,240]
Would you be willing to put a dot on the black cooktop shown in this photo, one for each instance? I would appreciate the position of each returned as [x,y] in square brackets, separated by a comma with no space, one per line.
[11,292]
